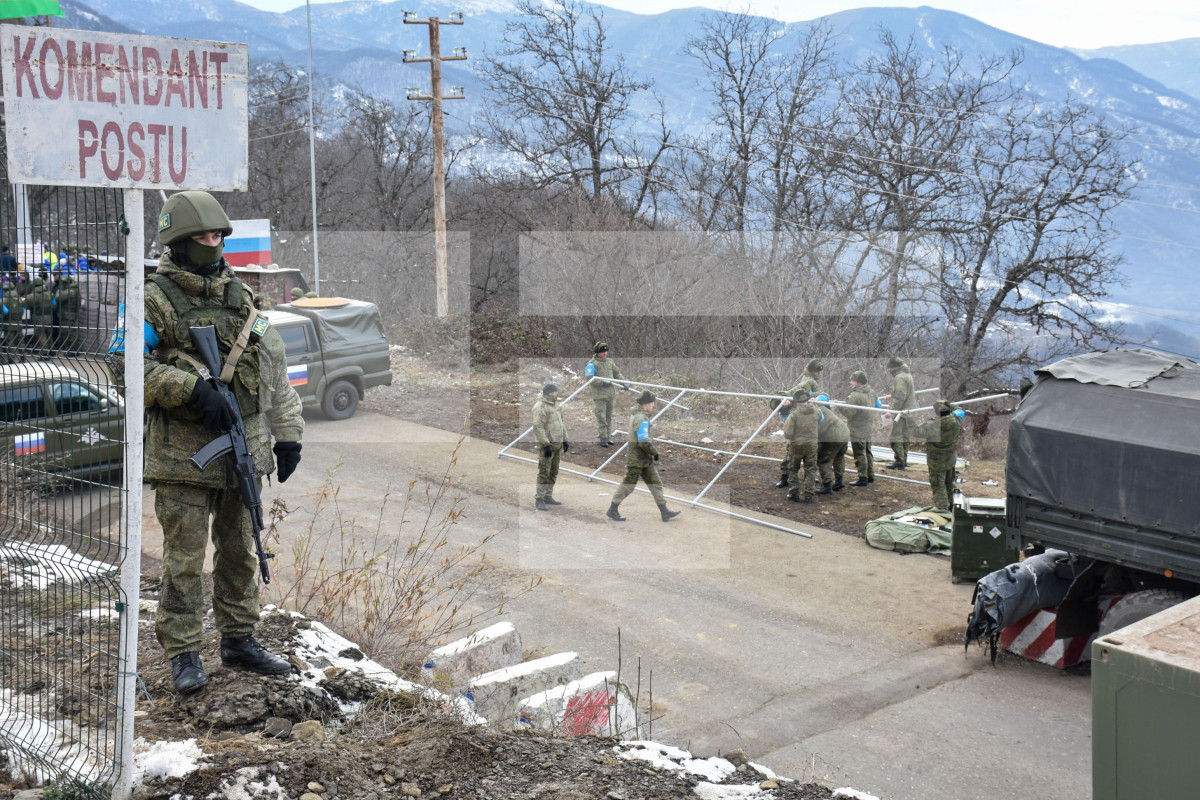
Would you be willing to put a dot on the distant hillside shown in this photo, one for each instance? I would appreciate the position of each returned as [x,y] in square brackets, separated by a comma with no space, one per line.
[359,43]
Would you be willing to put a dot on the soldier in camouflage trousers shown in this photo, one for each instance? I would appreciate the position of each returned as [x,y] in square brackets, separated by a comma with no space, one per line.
[902,398]
[194,286]
[861,423]
[551,433]
[832,439]
[604,392]
[810,382]
[800,430]
[941,450]
[640,456]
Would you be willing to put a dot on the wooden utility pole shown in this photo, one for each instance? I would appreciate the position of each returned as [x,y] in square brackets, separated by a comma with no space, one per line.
[435,59]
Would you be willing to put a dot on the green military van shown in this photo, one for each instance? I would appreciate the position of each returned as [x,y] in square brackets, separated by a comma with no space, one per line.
[55,422]
[336,350]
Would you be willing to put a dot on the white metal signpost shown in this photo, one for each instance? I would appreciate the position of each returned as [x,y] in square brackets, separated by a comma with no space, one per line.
[86,108]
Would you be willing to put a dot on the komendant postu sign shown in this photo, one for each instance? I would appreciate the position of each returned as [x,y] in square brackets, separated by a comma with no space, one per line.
[85,108]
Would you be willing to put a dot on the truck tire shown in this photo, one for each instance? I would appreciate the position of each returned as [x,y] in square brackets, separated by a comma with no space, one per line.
[341,400]
[1137,606]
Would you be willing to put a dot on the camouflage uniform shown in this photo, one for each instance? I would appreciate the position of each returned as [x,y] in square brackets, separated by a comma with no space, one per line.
[604,393]
[68,314]
[832,437]
[903,398]
[861,424]
[639,460]
[550,430]
[189,501]
[810,383]
[800,430]
[941,452]
[40,303]
[10,323]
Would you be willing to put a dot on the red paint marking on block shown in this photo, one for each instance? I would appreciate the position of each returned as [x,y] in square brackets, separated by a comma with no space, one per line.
[1033,637]
[587,713]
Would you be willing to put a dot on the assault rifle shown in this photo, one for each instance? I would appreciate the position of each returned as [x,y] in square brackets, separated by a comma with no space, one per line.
[232,444]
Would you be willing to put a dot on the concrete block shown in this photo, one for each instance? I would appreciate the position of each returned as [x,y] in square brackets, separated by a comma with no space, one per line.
[596,704]
[453,665]
[497,695]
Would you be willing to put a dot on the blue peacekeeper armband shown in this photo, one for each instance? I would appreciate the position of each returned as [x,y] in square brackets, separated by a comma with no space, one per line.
[590,370]
[958,412]
[643,431]
[878,403]
[116,343]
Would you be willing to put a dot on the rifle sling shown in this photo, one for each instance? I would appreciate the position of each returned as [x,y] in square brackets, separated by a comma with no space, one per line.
[239,347]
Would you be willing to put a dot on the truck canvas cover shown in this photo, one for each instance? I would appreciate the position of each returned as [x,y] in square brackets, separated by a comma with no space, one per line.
[345,325]
[1114,434]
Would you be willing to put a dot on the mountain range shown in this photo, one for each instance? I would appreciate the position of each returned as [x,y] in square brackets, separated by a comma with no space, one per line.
[1151,88]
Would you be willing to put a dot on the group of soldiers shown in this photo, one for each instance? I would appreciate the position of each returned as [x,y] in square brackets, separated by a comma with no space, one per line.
[818,436]
[38,313]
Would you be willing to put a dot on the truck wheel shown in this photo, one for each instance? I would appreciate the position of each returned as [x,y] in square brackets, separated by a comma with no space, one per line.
[1137,606]
[341,400]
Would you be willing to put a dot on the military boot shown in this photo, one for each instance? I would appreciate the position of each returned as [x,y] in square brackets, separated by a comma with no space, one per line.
[783,482]
[826,488]
[613,514]
[666,515]
[550,501]
[246,653]
[837,484]
[795,498]
[187,673]
[860,482]
[540,504]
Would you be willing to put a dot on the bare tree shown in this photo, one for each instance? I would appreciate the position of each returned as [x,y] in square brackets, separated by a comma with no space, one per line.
[1029,257]
[563,106]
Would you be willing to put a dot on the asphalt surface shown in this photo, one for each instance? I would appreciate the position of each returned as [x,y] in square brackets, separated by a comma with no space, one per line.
[821,658]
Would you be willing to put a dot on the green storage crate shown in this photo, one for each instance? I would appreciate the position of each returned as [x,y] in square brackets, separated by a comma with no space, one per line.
[978,544]
[1146,708]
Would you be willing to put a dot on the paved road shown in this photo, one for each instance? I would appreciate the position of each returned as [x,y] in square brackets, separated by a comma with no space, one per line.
[819,657]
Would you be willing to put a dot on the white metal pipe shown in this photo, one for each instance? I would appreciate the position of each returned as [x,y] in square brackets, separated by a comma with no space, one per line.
[644,490]
[728,463]
[530,429]
[131,489]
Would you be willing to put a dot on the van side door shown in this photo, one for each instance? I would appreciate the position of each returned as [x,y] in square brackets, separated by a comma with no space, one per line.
[306,370]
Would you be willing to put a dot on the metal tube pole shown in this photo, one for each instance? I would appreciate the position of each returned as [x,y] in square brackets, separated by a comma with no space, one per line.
[735,455]
[529,429]
[312,155]
[131,489]
[621,449]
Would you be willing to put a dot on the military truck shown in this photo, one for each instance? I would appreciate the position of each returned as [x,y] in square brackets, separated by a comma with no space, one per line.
[336,350]
[1103,459]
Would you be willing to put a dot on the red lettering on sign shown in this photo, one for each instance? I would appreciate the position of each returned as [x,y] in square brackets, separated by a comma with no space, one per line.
[87,148]
[52,92]
[79,77]
[128,75]
[177,176]
[137,156]
[112,129]
[175,80]
[103,73]
[156,131]
[152,82]
[23,66]
[217,60]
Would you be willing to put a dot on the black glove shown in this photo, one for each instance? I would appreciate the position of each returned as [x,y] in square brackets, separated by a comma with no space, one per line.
[566,445]
[656,456]
[547,451]
[217,415]
[287,458]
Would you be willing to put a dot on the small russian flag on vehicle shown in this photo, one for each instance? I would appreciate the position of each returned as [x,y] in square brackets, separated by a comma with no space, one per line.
[30,444]
[298,375]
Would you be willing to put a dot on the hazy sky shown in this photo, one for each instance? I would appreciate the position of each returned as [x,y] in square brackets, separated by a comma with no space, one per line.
[1066,23]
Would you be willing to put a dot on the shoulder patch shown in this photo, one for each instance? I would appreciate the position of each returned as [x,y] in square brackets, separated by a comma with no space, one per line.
[590,369]
[260,326]
[164,222]
[643,431]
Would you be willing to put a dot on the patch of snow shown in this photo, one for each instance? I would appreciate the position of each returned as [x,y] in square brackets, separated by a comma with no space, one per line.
[853,794]
[667,757]
[40,565]
[164,759]
[247,786]
[713,791]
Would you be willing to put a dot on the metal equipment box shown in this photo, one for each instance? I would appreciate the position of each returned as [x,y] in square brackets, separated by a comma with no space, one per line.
[1146,708]
[978,544]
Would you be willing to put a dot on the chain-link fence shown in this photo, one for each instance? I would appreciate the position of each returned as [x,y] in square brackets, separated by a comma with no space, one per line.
[63,541]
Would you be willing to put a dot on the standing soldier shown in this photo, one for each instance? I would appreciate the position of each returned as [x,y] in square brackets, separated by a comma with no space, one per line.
[40,304]
[902,398]
[551,435]
[194,286]
[604,393]
[810,382]
[832,436]
[640,456]
[861,423]
[68,314]
[800,430]
[941,450]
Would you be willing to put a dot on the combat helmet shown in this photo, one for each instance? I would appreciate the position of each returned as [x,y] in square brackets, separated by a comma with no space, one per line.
[186,214]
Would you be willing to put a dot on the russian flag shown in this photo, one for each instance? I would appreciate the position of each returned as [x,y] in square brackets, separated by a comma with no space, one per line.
[298,375]
[30,444]
[250,242]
